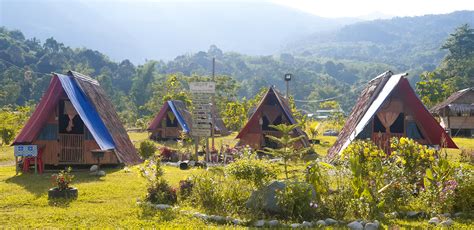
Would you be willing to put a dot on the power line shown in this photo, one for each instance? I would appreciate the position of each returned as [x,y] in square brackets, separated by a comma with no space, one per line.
[331,98]
[23,68]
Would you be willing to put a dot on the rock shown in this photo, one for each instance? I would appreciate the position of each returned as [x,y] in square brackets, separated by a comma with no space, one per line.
[273,223]
[217,218]
[101,173]
[200,216]
[376,222]
[192,163]
[265,198]
[355,225]
[447,215]
[447,222]
[363,222]
[320,223]
[259,223]
[434,220]
[236,221]
[228,219]
[458,214]
[413,214]
[295,225]
[393,214]
[307,224]
[330,221]
[162,206]
[371,226]
[94,168]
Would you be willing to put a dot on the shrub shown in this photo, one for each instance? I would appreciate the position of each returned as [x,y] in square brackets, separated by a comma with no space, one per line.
[463,197]
[158,190]
[185,188]
[257,172]
[63,179]
[147,149]
[297,201]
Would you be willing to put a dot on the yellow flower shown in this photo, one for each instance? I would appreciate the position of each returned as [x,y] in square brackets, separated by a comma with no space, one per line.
[431,158]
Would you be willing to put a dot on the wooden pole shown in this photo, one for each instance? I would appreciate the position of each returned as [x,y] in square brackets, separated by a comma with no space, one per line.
[213,103]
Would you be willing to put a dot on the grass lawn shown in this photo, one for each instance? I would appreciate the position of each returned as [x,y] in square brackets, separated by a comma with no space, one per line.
[110,201]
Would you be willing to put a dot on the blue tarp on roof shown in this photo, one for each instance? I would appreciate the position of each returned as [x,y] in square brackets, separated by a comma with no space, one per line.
[87,112]
[180,118]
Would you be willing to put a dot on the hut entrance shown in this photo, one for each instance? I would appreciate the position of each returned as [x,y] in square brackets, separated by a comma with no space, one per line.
[71,134]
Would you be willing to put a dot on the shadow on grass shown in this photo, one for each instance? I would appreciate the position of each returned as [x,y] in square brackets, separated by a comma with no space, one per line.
[41,183]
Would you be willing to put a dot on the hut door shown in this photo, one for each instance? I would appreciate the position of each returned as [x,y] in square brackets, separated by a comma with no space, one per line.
[71,134]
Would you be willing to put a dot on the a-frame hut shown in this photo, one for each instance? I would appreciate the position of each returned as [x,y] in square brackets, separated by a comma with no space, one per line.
[174,118]
[73,118]
[388,107]
[273,109]
[457,113]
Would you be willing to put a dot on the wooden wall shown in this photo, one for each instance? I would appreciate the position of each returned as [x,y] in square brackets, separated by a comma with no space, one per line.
[458,122]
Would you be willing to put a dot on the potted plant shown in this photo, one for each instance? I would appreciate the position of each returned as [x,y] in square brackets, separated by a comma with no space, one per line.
[61,181]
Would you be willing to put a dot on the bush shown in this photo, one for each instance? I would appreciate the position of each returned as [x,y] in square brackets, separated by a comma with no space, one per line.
[158,191]
[463,197]
[257,172]
[217,196]
[185,188]
[147,149]
[297,201]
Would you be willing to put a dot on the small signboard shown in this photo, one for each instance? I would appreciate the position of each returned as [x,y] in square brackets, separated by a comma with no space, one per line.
[202,87]
[201,132]
[201,126]
[25,150]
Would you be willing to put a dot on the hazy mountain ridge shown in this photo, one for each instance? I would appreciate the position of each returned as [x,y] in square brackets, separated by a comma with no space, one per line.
[406,42]
[151,30]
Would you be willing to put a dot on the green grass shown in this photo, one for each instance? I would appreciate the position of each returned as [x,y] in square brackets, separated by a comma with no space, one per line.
[110,201]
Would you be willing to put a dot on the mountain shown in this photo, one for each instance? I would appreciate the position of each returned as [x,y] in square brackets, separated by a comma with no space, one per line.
[409,43]
[147,30]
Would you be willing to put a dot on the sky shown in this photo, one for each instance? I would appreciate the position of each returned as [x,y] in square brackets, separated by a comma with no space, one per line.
[358,8]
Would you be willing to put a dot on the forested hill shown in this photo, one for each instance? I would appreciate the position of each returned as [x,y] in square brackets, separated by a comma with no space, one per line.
[409,43]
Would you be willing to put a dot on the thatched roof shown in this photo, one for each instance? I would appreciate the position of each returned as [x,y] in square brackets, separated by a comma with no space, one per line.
[125,150]
[371,99]
[284,105]
[456,103]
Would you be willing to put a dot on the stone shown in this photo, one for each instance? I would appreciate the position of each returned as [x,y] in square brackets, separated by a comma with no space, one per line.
[101,173]
[259,223]
[434,220]
[229,218]
[192,163]
[413,214]
[447,222]
[265,198]
[94,168]
[307,224]
[371,226]
[217,218]
[236,221]
[393,214]
[447,215]
[273,223]
[458,214]
[295,225]
[162,206]
[363,222]
[355,225]
[320,223]
[377,223]
[330,221]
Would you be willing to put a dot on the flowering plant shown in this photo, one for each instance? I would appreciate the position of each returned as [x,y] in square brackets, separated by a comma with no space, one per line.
[63,179]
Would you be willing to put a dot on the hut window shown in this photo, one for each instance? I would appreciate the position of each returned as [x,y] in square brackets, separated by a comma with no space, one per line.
[278,120]
[171,120]
[48,133]
[65,118]
[265,123]
[398,125]
[366,132]
[378,126]
[413,131]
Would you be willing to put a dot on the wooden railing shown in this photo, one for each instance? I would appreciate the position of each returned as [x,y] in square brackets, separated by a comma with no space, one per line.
[72,148]
[382,140]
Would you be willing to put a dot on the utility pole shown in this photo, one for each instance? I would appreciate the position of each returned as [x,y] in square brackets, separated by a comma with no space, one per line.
[213,103]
